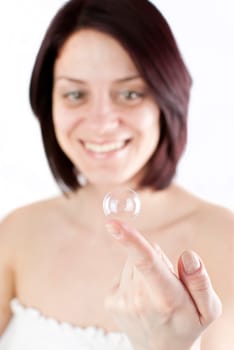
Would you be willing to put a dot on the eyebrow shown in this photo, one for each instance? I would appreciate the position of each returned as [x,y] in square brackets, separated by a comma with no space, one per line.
[121,80]
[132,77]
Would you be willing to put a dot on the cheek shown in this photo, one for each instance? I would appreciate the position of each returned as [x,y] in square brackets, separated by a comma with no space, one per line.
[145,120]
[64,121]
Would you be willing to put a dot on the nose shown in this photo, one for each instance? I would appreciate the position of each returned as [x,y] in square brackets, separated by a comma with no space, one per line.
[102,116]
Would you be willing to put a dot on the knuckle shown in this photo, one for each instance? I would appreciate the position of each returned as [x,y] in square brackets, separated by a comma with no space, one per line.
[167,306]
[138,304]
[167,309]
[146,264]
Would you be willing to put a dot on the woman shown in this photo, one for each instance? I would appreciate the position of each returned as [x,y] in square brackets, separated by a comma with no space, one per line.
[111,92]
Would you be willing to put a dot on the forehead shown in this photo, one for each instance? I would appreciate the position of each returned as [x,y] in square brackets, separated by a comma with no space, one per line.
[88,53]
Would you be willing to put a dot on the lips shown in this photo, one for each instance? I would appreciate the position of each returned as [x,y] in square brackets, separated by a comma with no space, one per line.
[105,147]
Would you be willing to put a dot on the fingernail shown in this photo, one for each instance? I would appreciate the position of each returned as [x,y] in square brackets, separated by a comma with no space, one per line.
[191,262]
[113,230]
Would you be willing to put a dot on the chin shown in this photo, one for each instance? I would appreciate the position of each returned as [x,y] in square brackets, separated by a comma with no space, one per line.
[110,182]
[114,180]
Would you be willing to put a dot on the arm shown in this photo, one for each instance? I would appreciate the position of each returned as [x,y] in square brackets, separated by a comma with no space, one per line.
[6,277]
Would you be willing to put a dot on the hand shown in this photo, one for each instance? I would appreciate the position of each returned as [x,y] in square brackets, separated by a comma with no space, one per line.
[154,307]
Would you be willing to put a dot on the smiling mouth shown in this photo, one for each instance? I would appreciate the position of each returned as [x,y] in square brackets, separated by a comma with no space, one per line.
[105,147]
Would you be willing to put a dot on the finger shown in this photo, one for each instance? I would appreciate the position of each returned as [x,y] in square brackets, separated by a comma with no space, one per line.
[196,280]
[147,260]
[164,258]
[120,294]
[127,275]
[139,249]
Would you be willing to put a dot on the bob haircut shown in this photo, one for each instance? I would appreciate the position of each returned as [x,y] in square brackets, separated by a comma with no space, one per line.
[144,33]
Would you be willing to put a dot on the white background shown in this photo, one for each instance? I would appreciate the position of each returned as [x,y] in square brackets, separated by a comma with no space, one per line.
[205,34]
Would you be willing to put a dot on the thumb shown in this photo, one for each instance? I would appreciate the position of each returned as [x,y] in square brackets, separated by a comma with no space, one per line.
[196,280]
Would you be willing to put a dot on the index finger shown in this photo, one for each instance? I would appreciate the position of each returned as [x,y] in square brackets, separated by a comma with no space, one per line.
[146,258]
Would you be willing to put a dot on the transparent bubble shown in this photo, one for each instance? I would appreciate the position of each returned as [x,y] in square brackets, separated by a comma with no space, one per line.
[122,203]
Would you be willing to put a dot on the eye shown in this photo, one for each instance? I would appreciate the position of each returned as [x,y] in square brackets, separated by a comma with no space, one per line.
[131,95]
[74,96]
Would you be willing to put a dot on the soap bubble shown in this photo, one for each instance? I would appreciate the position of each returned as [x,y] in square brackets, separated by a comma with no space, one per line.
[122,203]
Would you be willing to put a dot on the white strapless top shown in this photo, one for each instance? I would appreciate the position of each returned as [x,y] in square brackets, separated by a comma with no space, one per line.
[30,330]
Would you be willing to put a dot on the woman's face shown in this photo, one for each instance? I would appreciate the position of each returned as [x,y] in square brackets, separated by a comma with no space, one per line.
[105,118]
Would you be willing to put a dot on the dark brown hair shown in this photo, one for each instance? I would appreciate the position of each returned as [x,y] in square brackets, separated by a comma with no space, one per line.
[144,33]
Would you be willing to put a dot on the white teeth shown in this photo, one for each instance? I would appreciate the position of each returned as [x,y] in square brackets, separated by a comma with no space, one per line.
[108,147]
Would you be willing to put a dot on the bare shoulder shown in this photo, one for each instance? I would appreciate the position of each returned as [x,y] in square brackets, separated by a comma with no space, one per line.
[215,225]
[20,232]
[215,217]
[35,209]
[13,231]
[206,217]
[27,219]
